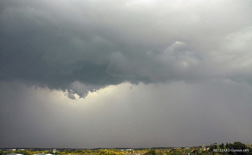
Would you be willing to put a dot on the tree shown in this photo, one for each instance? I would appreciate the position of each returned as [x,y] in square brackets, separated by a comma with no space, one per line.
[151,152]
[222,146]
[239,145]
[212,147]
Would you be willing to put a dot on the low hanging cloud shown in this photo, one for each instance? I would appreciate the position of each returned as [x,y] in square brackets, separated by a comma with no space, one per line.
[95,43]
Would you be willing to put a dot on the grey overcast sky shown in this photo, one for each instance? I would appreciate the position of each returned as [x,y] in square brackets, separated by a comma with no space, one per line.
[128,73]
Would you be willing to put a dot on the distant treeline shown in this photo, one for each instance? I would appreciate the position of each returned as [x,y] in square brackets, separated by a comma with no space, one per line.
[236,148]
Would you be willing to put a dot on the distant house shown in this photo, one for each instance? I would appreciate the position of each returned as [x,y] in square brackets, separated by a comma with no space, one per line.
[204,147]
[21,149]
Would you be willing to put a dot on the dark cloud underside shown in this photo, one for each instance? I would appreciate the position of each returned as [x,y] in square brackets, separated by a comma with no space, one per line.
[104,43]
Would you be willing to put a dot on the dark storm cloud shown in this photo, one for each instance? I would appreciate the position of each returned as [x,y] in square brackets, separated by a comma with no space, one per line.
[187,63]
[54,44]
[40,47]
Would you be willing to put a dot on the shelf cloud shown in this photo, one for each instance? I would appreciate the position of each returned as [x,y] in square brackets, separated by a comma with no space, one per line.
[100,44]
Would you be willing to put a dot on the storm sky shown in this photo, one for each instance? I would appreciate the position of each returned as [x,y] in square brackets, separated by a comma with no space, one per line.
[128,73]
